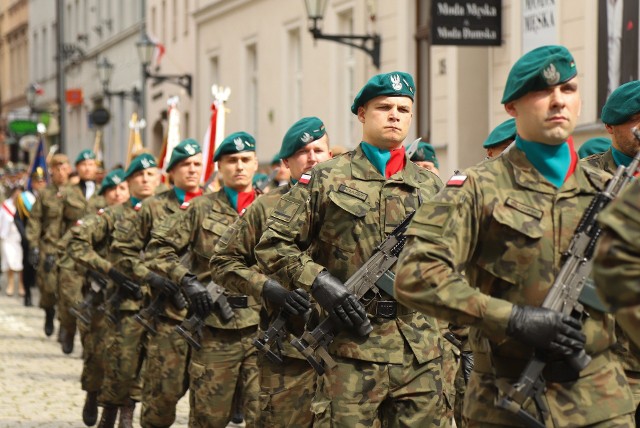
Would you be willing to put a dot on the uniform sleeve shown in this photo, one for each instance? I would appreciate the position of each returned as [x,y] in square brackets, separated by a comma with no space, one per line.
[429,276]
[169,240]
[129,239]
[282,247]
[34,225]
[94,229]
[233,263]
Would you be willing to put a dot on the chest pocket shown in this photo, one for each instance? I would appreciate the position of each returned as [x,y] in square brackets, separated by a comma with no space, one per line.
[211,231]
[74,208]
[343,221]
[512,244]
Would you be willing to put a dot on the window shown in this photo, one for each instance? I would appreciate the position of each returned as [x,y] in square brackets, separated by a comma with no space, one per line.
[214,71]
[347,63]
[251,61]
[163,22]
[44,56]
[421,109]
[174,20]
[294,76]
[36,61]
[153,21]
[186,17]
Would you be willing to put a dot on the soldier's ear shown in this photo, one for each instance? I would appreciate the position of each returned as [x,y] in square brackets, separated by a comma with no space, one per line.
[511,109]
[361,112]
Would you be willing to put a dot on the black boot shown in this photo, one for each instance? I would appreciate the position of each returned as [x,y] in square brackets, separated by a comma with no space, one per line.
[90,409]
[27,299]
[108,418]
[49,314]
[126,414]
[67,340]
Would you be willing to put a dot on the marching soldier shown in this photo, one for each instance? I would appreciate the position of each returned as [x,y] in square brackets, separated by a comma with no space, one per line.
[227,360]
[77,201]
[43,230]
[86,243]
[164,379]
[324,230]
[594,146]
[484,252]
[500,138]
[286,389]
[425,157]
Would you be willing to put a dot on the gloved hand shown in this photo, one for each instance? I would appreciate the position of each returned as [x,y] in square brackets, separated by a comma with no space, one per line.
[342,307]
[295,302]
[127,287]
[199,298]
[466,361]
[161,284]
[545,329]
[49,262]
[34,257]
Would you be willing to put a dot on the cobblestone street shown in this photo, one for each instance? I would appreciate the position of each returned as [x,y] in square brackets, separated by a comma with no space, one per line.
[40,385]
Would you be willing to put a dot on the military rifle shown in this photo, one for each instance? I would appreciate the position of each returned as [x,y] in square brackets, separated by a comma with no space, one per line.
[273,336]
[147,316]
[84,311]
[565,296]
[125,289]
[191,327]
[365,284]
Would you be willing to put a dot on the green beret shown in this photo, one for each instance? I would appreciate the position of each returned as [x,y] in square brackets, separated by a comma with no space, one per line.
[184,150]
[259,179]
[112,179]
[85,155]
[139,163]
[235,143]
[394,84]
[303,132]
[539,69]
[623,103]
[501,133]
[593,146]
[276,159]
[425,152]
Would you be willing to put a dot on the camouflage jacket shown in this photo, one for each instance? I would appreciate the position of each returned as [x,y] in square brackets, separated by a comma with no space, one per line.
[335,222]
[603,161]
[192,235]
[44,225]
[504,230]
[75,206]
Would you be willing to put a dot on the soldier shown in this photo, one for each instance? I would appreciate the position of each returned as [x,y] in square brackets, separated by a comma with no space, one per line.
[285,389]
[500,138]
[112,355]
[43,230]
[227,360]
[425,157]
[77,201]
[324,230]
[485,250]
[164,379]
[594,146]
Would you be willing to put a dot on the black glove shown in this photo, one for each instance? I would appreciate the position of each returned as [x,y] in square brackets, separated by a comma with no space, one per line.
[295,302]
[342,307]
[199,298]
[161,284]
[49,262]
[125,285]
[34,257]
[466,361]
[547,330]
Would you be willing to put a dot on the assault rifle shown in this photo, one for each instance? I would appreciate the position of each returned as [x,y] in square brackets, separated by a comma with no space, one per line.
[273,336]
[125,289]
[365,284]
[565,297]
[191,327]
[147,315]
[84,311]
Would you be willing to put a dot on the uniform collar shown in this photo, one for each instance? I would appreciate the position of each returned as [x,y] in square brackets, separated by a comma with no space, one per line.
[363,169]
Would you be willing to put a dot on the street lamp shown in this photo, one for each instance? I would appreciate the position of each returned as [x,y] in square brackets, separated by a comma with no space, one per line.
[315,15]
[145,47]
[105,71]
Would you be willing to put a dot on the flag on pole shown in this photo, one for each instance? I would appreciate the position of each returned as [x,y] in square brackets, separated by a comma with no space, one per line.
[215,131]
[97,147]
[135,140]
[173,133]
[39,161]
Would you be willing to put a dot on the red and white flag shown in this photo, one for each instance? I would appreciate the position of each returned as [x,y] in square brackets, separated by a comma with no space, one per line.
[173,133]
[215,132]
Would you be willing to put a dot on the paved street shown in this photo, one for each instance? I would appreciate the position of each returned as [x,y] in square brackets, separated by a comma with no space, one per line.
[40,385]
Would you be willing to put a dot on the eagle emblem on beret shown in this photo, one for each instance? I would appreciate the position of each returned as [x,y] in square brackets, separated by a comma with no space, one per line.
[306,138]
[551,75]
[190,149]
[116,179]
[395,82]
[145,163]
[239,143]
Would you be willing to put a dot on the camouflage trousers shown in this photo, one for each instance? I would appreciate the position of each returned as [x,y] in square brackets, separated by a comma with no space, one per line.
[224,375]
[634,383]
[286,391]
[47,283]
[69,294]
[618,422]
[366,394]
[165,377]
[460,388]
[124,356]
[93,339]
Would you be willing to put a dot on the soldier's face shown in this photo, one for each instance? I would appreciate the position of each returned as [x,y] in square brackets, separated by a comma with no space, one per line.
[87,169]
[117,195]
[548,116]
[186,173]
[237,170]
[143,183]
[308,156]
[622,138]
[60,173]
[386,121]
[38,185]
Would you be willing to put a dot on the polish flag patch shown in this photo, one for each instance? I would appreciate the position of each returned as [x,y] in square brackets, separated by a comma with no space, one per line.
[457,180]
[305,179]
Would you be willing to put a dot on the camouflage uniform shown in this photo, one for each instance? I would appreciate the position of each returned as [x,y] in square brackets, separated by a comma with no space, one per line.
[505,228]
[43,230]
[227,358]
[334,222]
[167,354]
[74,207]
[286,389]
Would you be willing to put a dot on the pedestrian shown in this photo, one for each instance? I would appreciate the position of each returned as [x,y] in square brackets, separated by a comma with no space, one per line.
[11,244]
